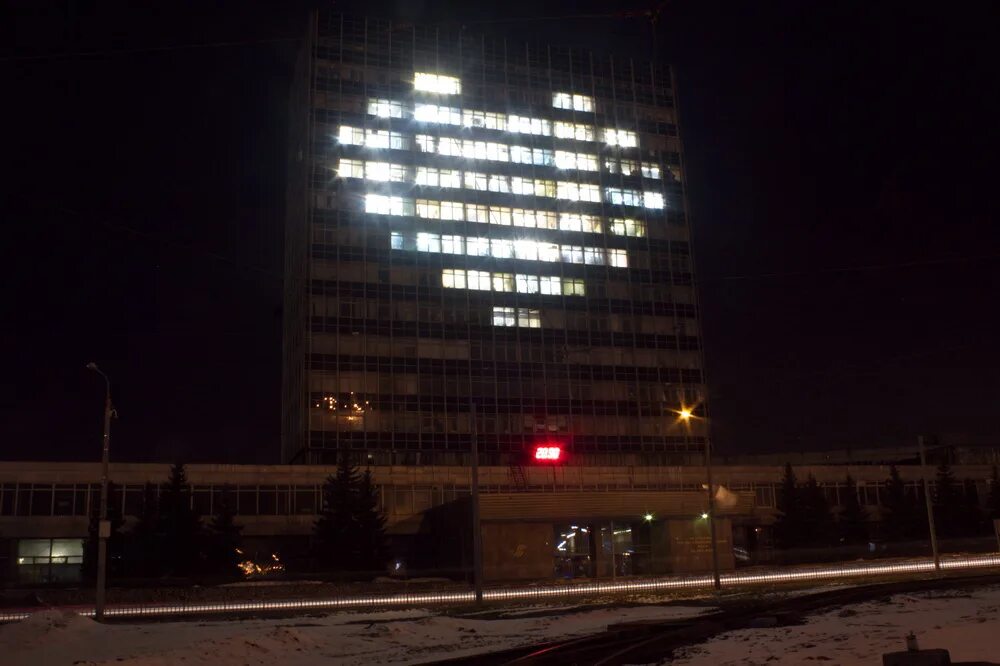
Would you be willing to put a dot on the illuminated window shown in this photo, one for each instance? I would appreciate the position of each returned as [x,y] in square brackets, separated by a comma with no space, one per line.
[476,213]
[377,138]
[385,172]
[484,119]
[501,248]
[618,258]
[593,256]
[500,215]
[526,249]
[652,200]
[526,284]
[650,170]
[428,209]
[477,247]
[351,169]
[527,317]
[453,278]
[572,102]
[579,222]
[437,83]
[507,282]
[566,130]
[627,227]
[537,156]
[452,244]
[572,287]
[452,210]
[550,285]
[372,138]
[351,136]
[499,183]
[426,143]
[385,108]
[386,205]
[546,219]
[503,282]
[624,167]
[479,280]
[572,254]
[475,181]
[432,113]
[497,152]
[619,137]
[451,178]
[578,192]
[622,197]
[504,316]
[565,159]
[547,251]
[428,242]
[525,125]
[396,241]
[427,176]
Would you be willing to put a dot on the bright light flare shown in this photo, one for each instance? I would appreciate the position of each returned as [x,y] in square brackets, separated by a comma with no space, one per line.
[437,83]
[548,453]
[736,579]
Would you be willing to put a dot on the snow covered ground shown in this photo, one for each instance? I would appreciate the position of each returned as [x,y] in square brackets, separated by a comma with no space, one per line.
[402,637]
[965,622]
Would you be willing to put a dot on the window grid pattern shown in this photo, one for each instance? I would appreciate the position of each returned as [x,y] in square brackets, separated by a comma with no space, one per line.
[609,111]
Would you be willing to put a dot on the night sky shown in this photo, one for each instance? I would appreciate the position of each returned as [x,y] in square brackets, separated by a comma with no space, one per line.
[841,165]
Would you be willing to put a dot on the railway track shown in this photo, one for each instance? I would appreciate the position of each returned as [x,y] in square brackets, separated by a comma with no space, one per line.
[653,642]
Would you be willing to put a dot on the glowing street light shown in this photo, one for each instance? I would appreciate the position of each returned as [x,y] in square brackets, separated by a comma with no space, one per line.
[704,515]
[648,517]
[685,414]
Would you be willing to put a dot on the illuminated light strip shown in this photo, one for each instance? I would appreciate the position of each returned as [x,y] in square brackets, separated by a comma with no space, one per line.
[544,592]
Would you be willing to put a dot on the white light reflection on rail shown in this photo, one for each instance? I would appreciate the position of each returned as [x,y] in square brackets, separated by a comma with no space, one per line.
[518,593]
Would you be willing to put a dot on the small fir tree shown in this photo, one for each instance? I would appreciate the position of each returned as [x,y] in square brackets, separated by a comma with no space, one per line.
[336,531]
[947,498]
[993,502]
[224,536]
[818,521]
[181,526]
[853,519]
[790,524]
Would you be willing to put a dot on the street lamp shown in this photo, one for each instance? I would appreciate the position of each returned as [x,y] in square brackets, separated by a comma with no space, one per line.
[685,414]
[103,526]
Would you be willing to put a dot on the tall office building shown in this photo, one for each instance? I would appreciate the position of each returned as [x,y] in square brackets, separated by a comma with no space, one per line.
[488,234]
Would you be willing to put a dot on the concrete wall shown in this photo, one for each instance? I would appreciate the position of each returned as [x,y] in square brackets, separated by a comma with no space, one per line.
[515,551]
[690,545]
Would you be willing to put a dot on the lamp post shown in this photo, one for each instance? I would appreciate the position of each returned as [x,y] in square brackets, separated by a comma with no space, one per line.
[685,416]
[103,526]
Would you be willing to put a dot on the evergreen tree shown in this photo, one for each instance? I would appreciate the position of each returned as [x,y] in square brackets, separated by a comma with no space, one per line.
[371,523]
[993,503]
[350,531]
[789,527]
[336,531]
[145,558]
[853,519]
[972,513]
[947,503]
[900,522]
[181,526]
[115,541]
[818,522]
[224,536]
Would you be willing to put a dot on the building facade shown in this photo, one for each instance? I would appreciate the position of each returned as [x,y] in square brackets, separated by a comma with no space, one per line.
[635,519]
[485,237]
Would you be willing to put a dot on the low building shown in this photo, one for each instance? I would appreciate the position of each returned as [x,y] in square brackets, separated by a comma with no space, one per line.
[538,521]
